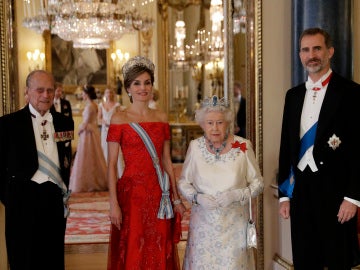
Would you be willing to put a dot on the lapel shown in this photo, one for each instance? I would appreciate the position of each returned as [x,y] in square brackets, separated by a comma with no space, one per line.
[57,128]
[27,134]
[296,108]
[62,103]
[62,124]
[330,104]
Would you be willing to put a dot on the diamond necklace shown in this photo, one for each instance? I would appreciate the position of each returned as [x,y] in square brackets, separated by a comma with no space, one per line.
[217,150]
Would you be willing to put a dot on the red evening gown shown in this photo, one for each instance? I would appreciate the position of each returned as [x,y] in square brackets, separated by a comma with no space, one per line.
[144,241]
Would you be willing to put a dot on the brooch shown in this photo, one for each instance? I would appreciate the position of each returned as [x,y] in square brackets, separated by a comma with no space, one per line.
[334,142]
[241,146]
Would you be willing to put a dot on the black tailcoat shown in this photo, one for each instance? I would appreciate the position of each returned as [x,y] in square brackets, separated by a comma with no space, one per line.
[34,221]
[65,108]
[241,118]
[317,237]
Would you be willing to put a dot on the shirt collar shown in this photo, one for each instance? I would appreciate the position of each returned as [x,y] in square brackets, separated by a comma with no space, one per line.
[35,114]
[324,77]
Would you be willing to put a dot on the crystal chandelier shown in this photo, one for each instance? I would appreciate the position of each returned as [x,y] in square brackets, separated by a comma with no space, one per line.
[180,54]
[88,23]
[239,17]
[208,45]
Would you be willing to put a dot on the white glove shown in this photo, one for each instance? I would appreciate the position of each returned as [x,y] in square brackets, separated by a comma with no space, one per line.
[226,198]
[207,201]
[246,196]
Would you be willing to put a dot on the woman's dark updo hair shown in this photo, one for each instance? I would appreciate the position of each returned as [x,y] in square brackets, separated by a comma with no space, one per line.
[135,72]
[90,91]
[134,67]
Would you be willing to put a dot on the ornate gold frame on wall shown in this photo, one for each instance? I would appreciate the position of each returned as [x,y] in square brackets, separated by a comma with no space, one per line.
[10,88]
[253,80]
[70,89]
[8,56]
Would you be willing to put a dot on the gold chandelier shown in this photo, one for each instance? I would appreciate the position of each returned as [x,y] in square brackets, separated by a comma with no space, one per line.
[208,45]
[88,24]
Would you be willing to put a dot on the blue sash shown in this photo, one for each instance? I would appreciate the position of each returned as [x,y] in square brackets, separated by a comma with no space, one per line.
[48,167]
[287,186]
[307,140]
[165,209]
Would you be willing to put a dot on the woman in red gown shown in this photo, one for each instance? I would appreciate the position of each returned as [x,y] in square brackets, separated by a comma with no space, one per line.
[139,239]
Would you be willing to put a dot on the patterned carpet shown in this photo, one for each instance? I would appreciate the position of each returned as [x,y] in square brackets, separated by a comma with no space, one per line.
[88,225]
[88,222]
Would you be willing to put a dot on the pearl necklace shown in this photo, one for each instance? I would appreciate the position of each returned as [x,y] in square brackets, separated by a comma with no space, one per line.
[217,150]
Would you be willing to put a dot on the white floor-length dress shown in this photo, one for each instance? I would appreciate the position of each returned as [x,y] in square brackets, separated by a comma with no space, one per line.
[106,115]
[217,238]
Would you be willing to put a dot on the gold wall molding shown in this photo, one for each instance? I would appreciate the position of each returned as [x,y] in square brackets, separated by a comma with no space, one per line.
[283,262]
[8,56]
[254,79]
[146,37]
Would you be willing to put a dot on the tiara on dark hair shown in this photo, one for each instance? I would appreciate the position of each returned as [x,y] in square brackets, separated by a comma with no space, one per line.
[138,61]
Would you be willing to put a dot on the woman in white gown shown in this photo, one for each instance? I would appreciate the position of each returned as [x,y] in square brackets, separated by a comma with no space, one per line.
[219,176]
[106,109]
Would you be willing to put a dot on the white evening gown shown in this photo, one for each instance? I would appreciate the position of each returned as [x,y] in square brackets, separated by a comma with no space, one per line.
[104,131]
[217,238]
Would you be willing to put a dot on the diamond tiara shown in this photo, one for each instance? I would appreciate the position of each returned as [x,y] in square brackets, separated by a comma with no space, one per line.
[137,61]
[214,101]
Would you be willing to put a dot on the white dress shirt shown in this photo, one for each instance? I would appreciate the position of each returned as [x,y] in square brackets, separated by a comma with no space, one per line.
[48,146]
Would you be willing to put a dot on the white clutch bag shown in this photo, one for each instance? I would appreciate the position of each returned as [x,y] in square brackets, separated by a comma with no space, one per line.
[251,238]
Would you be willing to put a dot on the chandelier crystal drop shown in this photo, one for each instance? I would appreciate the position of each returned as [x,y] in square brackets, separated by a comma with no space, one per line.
[88,23]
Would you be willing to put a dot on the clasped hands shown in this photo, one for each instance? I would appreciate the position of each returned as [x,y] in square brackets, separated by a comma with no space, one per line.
[224,199]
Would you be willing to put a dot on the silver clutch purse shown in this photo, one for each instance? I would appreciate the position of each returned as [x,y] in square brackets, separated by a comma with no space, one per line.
[251,238]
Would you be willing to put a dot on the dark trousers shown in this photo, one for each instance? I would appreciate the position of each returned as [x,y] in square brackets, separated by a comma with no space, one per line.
[318,239]
[35,226]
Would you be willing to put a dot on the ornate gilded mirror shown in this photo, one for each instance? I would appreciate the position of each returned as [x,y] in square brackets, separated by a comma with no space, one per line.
[242,55]
[242,61]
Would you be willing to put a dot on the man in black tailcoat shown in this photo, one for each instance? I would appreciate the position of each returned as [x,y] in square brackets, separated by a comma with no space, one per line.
[240,110]
[319,183]
[61,105]
[34,174]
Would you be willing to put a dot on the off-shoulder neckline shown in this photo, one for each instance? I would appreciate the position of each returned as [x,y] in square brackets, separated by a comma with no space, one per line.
[150,122]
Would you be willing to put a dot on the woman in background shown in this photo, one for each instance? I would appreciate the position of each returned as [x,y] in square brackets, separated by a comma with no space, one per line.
[141,234]
[106,109]
[220,175]
[89,169]
[154,101]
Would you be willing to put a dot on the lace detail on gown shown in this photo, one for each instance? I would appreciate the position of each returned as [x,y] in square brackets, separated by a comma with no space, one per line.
[217,237]
[144,241]
[210,157]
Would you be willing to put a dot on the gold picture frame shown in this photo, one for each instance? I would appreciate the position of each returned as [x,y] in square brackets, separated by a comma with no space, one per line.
[75,67]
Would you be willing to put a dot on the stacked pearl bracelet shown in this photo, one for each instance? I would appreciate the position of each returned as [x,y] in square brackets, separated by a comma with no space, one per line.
[176,202]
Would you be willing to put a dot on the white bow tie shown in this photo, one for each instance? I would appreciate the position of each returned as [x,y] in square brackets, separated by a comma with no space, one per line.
[47,117]
[313,86]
